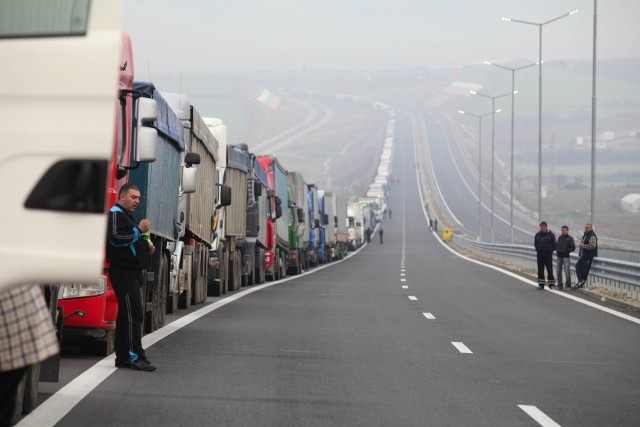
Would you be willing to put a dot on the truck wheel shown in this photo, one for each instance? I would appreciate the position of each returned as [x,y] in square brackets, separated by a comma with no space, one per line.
[235,276]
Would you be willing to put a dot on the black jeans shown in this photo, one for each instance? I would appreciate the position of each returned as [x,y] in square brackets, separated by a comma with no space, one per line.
[127,284]
[9,381]
[545,260]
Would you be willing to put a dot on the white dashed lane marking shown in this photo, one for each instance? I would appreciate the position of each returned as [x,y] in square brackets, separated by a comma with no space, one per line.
[461,347]
[539,416]
[429,316]
[412,298]
[405,287]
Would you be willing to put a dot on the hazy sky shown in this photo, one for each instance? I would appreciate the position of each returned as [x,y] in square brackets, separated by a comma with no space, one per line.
[240,35]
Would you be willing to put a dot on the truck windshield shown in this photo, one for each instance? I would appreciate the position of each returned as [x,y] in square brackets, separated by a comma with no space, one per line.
[43,18]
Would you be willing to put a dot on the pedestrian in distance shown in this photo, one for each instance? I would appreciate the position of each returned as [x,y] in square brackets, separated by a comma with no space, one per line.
[128,255]
[27,337]
[435,224]
[588,251]
[545,243]
[367,234]
[380,233]
[565,246]
[430,224]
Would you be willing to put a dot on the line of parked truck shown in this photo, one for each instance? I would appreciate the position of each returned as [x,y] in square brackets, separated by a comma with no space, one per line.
[222,217]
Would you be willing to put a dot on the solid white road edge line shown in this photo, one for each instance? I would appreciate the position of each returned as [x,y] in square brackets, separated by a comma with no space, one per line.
[539,416]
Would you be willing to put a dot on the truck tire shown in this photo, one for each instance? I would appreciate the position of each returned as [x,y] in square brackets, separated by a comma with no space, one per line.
[235,271]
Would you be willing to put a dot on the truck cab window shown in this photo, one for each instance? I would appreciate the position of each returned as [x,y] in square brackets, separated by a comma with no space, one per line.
[43,18]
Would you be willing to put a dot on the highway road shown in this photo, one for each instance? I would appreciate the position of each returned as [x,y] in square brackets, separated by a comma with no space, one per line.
[458,183]
[403,333]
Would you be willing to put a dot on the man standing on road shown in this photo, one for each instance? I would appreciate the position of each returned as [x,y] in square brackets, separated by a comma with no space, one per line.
[128,254]
[545,243]
[566,245]
[588,251]
[380,233]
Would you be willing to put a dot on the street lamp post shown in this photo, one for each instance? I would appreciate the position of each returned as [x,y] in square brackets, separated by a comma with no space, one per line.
[540,25]
[493,128]
[479,116]
[513,91]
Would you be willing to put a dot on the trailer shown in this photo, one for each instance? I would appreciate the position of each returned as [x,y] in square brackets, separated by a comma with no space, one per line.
[298,224]
[190,252]
[160,185]
[278,224]
[355,229]
[313,214]
[340,221]
[258,209]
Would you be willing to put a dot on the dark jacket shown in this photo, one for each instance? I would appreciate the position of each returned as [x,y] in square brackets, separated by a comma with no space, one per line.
[125,245]
[565,246]
[590,241]
[545,243]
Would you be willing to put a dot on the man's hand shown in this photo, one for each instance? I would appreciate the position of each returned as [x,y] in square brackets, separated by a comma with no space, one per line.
[145,225]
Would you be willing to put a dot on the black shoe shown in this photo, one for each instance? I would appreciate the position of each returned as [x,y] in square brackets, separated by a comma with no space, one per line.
[143,365]
[122,363]
[551,286]
[540,287]
[580,284]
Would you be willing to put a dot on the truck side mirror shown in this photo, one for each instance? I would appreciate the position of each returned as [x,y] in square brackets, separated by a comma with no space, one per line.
[225,196]
[191,159]
[278,211]
[146,137]
[278,201]
[189,179]
[300,215]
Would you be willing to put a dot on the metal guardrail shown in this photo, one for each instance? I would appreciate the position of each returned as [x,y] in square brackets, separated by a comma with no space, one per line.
[620,277]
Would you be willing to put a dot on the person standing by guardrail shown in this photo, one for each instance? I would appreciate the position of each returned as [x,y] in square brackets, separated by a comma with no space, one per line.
[565,246]
[588,251]
[545,243]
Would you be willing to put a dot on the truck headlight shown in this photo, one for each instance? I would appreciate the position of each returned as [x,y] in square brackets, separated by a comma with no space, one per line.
[81,290]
